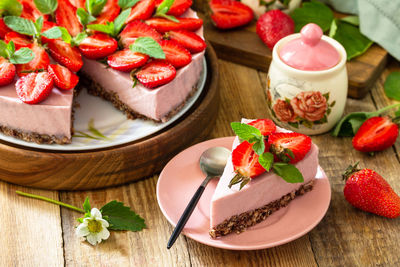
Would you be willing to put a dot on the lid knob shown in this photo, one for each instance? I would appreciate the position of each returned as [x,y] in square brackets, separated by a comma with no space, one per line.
[311,34]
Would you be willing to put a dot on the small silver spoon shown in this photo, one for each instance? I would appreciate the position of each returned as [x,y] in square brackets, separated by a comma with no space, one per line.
[212,164]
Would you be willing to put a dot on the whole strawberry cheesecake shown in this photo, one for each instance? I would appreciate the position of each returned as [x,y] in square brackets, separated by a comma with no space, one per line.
[145,57]
[265,172]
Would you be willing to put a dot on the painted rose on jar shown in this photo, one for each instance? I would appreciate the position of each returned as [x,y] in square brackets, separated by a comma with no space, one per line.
[284,111]
[310,105]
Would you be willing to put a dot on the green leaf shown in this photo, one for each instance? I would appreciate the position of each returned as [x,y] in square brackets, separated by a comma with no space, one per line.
[397,113]
[53,33]
[84,17]
[315,12]
[22,56]
[10,7]
[65,35]
[46,6]
[333,28]
[259,147]
[94,7]
[169,17]
[108,28]
[119,21]
[86,205]
[246,132]
[79,38]
[392,85]
[3,48]
[39,25]
[121,217]
[352,40]
[266,160]
[288,172]
[20,25]
[123,4]
[10,48]
[352,20]
[165,6]
[148,46]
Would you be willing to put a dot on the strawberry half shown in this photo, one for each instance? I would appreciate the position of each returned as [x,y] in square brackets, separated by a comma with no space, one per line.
[29,11]
[18,39]
[289,147]
[266,126]
[7,72]
[367,190]
[136,29]
[126,60]
[66,17]
[39,63]
[156,73]
[142,10]
[175,54]
[98,46]
[109,13]
[188,40]
[34,87]
[228,14]
[178,7]
[63,78]
[65,54]
[165,25]
[3,29]
[376,134]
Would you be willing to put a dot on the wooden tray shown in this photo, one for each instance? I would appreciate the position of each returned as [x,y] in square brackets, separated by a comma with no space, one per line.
[115,165]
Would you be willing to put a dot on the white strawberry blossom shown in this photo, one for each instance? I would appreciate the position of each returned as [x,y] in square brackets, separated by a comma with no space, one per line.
[93,228]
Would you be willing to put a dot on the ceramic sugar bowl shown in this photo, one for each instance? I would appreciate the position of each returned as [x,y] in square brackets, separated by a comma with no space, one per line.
[307,81]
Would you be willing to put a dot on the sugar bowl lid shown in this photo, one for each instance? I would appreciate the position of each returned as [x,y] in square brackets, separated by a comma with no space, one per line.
[309,52]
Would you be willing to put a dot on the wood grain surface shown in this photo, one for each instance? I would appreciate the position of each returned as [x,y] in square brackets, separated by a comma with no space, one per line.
[34,233]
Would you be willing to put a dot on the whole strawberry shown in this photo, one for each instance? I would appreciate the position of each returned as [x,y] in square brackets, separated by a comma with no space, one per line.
[376,134]
[367,190]
[273,26]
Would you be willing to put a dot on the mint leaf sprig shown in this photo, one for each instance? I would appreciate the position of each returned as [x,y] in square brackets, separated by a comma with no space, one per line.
[21,56]
[163,9]
[94,7]
[287,171]
[46,6]
[148,46]
[10,8]
[112,28]
[73,41]
[124,4]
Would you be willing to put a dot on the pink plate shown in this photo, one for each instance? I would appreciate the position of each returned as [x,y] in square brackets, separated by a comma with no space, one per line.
[182,176]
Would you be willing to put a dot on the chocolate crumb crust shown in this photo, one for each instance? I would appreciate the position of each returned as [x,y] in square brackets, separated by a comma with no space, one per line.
[239,223]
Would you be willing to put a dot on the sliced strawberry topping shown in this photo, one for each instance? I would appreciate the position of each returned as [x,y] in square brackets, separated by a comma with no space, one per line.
[266,126]
[98,46]
[126,60]
[188,40]
[18,39]
[39,63]
[298,143]
[109,13]
[78,3]
[228,14]
[7,72]
[3,29]
[175,54]
[34,87]
[165,25]
[63,78]
[136,29]
[29,11]
[66,17]
[65,54]
[178,7]
[156,73]
[142,10]
[245,161]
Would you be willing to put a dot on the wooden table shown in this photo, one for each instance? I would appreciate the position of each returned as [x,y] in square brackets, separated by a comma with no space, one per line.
[35,233]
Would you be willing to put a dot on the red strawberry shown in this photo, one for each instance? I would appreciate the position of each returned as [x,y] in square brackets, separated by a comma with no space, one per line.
[367,190]
[266,126]
[273,26]
[109,13]
[376,134]
[136,29]
[245,163]
[39,63]
[178,7]
[126,60]
[46,26]
[289,147]
[175,54]
[165,25]
[18,39]
[3,29]
[34,87]
[66,17]
[29,11]
[65,54]
[78,3]
[98,46]
[156,73]
[142,10]
[63,78]
[188,40]
[228,14]
[7,72]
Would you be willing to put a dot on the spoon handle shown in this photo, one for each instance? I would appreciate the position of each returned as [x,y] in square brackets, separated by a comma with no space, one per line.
[186,214]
